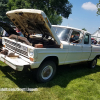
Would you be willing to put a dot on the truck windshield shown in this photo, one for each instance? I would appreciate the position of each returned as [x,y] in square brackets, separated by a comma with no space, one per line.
[62,33]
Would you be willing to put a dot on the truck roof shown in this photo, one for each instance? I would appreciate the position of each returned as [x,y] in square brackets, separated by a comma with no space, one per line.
[71,28]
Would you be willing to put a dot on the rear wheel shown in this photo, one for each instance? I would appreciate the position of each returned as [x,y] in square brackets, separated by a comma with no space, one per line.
[92,64]
[46,71]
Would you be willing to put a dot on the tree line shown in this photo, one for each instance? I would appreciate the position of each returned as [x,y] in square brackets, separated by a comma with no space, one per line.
[54,9]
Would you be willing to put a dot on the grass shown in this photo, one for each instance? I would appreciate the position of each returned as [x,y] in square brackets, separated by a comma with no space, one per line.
[76,82]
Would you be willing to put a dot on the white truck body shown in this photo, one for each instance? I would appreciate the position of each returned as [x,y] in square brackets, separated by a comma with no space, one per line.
[67,52]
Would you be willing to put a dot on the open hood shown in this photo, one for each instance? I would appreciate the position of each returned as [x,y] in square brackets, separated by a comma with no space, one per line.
[32,21]
[7,28]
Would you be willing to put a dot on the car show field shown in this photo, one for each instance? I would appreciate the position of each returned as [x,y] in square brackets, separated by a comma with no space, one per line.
[73,82]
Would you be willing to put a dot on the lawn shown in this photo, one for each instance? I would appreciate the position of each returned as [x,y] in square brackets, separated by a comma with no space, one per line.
[76,82]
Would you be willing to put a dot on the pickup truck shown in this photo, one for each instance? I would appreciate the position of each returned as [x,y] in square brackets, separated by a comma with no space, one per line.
[45,46]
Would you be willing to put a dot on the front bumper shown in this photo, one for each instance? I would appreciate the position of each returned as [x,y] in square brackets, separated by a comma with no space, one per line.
[17,63]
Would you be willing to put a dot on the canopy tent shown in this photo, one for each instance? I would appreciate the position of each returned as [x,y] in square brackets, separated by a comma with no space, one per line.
[96,35]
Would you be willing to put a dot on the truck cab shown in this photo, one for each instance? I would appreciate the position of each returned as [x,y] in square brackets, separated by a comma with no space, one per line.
[77,42]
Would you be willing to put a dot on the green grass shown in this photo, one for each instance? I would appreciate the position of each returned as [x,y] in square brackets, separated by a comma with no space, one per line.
[76,82]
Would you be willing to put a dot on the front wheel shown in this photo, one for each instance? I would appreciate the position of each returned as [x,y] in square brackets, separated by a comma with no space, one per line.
[46,71]
[93,63]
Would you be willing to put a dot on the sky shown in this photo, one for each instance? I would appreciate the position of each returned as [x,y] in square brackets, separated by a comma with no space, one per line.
[83,15]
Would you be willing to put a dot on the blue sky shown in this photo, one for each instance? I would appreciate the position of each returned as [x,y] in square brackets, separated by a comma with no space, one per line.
[83,15]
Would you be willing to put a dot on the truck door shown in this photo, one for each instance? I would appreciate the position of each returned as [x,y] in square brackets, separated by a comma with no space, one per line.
[86,47]
[75,48]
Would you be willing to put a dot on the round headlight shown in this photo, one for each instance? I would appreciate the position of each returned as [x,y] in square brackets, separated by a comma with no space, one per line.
[31,53]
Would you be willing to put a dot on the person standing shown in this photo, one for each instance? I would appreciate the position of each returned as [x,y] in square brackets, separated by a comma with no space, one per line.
[19,32]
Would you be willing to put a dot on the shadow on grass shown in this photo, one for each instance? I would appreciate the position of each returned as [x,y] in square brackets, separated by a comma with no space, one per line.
[63,76]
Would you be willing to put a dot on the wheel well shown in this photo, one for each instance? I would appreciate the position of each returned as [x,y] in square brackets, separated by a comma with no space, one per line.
[52,58]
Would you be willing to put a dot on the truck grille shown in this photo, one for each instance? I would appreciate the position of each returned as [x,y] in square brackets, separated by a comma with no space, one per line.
[16,47]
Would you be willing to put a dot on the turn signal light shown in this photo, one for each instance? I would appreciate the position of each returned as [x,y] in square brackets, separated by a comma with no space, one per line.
[31,59]
[4,45]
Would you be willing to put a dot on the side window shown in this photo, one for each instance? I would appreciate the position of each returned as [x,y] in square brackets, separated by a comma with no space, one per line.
[75,37]
[86,39]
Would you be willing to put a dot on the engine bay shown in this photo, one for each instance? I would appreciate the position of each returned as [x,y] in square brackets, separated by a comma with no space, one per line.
[34,40]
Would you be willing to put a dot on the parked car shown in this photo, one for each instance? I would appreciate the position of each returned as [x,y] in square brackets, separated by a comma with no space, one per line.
[45,52]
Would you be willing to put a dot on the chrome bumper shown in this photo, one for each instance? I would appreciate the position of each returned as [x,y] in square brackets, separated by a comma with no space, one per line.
[16,63]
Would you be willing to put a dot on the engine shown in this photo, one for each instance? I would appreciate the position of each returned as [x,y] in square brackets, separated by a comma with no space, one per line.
[33,40]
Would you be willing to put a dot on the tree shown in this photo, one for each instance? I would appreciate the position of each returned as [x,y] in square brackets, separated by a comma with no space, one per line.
[3,10]
[98,6]
[18,4]
[54,9]
[84,29]
[55,19]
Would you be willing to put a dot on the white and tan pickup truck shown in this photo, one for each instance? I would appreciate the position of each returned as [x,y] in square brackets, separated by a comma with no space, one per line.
[45,46]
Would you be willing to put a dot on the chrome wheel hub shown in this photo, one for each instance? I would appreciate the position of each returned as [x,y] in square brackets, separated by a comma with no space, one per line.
[47,72]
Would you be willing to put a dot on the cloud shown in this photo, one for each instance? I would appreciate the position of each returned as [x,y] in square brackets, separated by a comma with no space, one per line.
[89,6]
